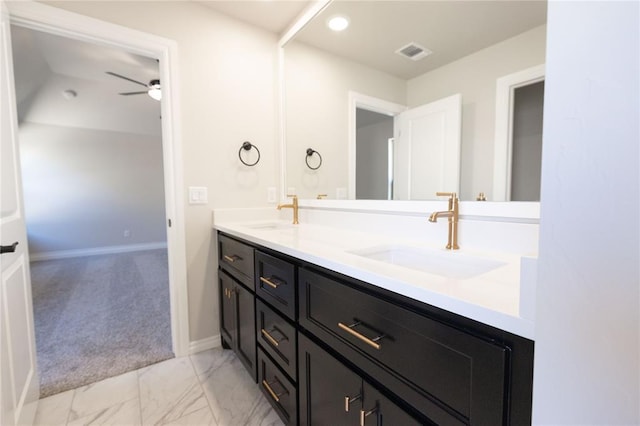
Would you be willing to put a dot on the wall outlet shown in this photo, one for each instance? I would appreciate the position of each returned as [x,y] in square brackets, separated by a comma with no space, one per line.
[127,233]
[271,194]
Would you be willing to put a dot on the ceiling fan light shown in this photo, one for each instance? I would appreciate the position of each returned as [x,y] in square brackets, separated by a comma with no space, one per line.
[155,93]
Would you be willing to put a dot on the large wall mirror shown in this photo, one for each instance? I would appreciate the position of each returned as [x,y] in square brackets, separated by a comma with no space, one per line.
[414,97]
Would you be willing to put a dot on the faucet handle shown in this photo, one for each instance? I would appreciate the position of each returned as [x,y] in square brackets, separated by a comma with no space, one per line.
[446,194]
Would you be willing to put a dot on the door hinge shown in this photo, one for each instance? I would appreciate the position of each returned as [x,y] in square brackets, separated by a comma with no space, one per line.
[169,222]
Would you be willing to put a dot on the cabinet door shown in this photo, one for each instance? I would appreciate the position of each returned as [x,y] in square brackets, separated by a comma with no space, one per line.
[378,410]
[227,309]
[330,393]
[245,328]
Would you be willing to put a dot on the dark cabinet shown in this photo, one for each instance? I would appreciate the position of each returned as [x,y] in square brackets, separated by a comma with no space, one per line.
[332,394]
[238,320]
[278,389]
[327,349]
[275,283]
[446,373]
[277,337]
[237,259]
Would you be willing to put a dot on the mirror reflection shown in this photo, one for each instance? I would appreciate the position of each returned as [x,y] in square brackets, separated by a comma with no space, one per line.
[389,126]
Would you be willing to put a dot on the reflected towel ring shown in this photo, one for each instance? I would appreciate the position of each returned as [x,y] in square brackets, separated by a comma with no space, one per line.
[247,147]
[310,152]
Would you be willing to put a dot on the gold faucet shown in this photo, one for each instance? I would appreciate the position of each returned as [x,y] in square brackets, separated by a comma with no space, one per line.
[294,206]
[452,214]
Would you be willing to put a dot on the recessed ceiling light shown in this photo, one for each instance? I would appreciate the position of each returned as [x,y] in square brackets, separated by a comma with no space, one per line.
[338,22]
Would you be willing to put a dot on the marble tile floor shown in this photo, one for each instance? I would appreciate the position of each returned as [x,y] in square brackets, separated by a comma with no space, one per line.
[208,388]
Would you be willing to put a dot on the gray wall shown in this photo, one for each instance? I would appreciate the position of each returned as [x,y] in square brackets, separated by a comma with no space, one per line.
[372,157]
[83,188]
[526,159]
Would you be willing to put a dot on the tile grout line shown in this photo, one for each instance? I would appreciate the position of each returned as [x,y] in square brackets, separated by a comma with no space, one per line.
[73,398]
[206,398]
[139,396]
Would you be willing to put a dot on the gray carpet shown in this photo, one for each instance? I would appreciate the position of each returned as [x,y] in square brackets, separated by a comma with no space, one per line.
[99,316]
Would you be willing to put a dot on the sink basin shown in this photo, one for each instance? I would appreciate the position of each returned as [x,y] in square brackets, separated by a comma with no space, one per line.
[449,264]
[270,225]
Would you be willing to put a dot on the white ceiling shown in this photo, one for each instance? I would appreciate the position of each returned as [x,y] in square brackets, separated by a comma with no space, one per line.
[451,29]
[271,15]
[46,65]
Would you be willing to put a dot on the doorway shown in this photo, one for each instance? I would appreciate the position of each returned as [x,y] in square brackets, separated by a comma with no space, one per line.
[57,21]
[97,239]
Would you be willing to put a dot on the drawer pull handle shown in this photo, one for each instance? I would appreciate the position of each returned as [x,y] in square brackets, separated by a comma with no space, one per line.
[365,414]
[270,283]
[371,342]
[270,338]
[232,258]
[275,396]
[348,400]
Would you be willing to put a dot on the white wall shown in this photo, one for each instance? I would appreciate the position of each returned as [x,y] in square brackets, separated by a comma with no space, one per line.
[475,76]
[228,95]
[317,111]
[84,187]
[587,359]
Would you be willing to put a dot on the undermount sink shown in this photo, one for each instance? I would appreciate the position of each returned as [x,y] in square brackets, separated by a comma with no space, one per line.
[270,225]
[449,264]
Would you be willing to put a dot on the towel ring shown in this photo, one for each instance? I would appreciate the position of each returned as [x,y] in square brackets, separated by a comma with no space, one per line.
[247,147]
[310,153]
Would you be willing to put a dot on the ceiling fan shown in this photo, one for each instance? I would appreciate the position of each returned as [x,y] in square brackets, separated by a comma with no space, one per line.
[153,88]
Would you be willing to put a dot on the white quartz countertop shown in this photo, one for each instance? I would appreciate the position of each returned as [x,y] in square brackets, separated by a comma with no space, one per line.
[492,297]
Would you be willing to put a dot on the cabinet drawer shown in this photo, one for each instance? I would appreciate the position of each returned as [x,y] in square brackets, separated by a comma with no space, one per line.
[277,337]
[280,393]
[446,366]
[237,259]
[275,283]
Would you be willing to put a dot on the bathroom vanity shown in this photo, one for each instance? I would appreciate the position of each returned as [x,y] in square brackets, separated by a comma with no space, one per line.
[332,337]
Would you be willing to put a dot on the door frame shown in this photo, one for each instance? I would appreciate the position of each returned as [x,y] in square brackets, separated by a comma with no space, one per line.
[503,148]
[59,22]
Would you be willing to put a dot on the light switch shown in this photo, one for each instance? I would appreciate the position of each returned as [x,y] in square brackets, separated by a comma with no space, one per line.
[198,195]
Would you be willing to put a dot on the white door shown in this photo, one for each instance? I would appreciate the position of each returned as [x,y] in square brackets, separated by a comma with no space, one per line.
[18,374]
[427,149]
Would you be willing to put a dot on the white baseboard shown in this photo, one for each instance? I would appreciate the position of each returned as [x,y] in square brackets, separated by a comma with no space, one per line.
[64,254]
[204,344]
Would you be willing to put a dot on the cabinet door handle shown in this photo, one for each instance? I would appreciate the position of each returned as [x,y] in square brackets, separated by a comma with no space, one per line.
[232,258]
[348,400]
[228,292]
[373,342]
[269,282]
[275,396]
[270,338]
[365,414]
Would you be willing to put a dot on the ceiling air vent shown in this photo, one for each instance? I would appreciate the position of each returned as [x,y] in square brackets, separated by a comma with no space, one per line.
[414,51]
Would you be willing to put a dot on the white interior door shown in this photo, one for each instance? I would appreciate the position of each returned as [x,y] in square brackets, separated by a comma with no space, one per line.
[19,390]
[427,149]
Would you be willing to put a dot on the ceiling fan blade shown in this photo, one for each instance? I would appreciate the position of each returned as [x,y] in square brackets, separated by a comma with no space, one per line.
[125,78]
[133,93]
